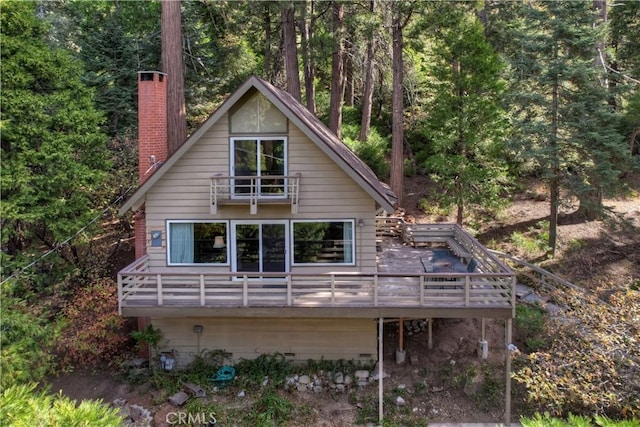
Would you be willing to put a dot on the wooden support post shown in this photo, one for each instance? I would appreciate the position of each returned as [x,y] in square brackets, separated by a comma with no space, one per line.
[430,334]
[401,334]
[380,370]
[507,392]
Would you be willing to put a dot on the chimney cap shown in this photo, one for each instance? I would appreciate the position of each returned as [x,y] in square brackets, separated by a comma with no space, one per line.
[150,75]
[152,72]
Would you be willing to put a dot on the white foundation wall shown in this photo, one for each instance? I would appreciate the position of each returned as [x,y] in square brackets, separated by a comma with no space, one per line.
[299,339]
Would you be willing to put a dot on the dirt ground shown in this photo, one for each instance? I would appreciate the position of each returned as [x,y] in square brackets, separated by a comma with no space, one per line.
[442,384]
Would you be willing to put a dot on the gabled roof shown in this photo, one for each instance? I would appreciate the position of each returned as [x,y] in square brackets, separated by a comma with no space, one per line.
[309,124]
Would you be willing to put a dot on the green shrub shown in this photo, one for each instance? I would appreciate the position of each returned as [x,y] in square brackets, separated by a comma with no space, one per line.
[547,420]
[26,344]
[530,322]
[22,405]
[274,366]
[373,152]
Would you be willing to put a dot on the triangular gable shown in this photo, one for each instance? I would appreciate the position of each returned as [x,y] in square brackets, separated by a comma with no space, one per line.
[309,124]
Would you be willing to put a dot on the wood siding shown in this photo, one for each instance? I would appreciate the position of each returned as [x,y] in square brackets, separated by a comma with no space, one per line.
[326,192]
[297,339]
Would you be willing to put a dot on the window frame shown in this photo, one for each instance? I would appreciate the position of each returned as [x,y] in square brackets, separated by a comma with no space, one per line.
[258,139]
[169,224]
[325,264]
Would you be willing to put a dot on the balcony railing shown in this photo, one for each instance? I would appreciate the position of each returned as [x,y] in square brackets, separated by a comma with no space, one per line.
[140,288]
[254,190]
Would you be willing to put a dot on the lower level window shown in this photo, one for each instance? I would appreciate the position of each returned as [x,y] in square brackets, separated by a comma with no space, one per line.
[323,242]
[197,243]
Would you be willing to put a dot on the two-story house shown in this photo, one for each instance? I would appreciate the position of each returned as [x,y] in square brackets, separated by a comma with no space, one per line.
[258,235]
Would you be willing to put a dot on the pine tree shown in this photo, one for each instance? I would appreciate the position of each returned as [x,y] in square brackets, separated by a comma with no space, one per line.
[465,124]
[564,120]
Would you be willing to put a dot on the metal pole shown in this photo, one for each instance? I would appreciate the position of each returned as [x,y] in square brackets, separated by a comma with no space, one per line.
[380,370]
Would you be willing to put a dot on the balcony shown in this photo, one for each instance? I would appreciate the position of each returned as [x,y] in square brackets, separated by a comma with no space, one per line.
[413,278]
[255,190]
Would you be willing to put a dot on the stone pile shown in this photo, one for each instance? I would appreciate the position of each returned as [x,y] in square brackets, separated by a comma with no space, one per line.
[133,415]
[329,381]
[416,326]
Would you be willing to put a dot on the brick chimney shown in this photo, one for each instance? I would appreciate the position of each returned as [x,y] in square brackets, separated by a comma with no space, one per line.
[152,140]
[152,122]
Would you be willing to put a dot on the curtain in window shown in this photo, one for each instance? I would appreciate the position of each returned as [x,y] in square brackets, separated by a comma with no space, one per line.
[347,232]
[181,235]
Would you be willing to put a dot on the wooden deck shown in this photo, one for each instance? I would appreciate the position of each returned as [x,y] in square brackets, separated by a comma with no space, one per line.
[399,287]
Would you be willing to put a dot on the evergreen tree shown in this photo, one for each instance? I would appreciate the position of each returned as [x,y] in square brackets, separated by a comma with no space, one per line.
[562,113]
[53,154]
[465,124]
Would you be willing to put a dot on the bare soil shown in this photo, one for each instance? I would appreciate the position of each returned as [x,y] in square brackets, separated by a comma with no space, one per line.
[448,383]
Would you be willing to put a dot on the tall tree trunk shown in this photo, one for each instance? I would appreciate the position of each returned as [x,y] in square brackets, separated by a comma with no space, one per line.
[337,72]
[267,43]
[397,127]
[290,50]
[554,182]
[367,96]
[172,65]
[306,33]
[349,88]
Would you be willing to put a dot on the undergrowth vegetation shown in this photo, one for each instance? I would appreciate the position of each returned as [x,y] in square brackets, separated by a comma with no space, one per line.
[25,405]
[591,363]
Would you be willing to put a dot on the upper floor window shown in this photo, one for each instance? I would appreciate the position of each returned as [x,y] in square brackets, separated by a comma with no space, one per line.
[259,158]
[258,115]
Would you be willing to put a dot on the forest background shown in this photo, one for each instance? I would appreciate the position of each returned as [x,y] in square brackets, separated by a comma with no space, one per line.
[478,96]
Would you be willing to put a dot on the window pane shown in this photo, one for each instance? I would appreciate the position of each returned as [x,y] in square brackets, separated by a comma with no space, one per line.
[271,119]
[197,243]
[248,247]
[245,119]
[258,115]
[272,163]
[322,242]
[245,163]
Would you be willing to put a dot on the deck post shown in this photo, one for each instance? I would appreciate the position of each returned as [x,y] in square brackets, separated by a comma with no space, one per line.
[380,370]
[422,285]
[507,392]
[375,290]
[467,285]
[514,282]
[159,287]
[484,347]
[202,299]
[245,291]
[289,299]
[120,294]
[430,334]
[333,289]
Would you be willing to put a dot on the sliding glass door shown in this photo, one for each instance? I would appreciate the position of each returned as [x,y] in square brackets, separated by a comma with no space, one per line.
[260,246]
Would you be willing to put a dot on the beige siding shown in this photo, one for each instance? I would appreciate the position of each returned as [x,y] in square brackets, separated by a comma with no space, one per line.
[327,192]
[298,339]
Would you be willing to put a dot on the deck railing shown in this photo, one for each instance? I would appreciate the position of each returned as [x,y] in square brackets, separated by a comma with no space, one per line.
[252,190]
[138,287]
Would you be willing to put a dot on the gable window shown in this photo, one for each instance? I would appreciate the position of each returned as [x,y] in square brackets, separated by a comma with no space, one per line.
[197,243]
[258,115]
[316,242]
[254,160]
